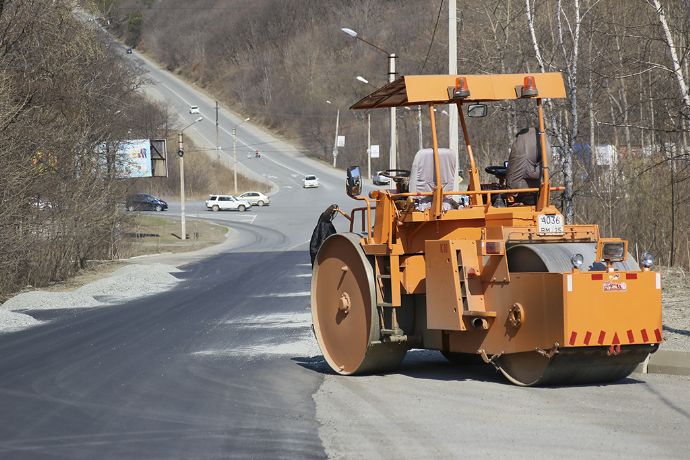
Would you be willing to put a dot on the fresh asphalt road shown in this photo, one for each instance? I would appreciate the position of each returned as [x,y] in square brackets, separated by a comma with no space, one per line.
[177,375]
[223,366]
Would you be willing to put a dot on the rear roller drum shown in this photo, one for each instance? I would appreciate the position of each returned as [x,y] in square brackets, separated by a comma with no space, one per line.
[344,311]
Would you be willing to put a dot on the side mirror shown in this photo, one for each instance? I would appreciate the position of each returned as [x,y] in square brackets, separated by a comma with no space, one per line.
[477,110]
[353,185]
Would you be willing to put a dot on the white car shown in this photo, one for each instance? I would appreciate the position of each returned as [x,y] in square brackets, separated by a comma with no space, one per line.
[194,109]
[255,198]
[311,182]
[226,203]
[379,179]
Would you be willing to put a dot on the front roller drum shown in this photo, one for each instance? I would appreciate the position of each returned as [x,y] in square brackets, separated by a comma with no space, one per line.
[573,366]
[569,365]
[344,310]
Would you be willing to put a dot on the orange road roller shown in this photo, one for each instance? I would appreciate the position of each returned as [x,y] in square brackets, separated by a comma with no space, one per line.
[490,273]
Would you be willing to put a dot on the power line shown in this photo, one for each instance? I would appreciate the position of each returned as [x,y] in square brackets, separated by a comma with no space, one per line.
[440,8]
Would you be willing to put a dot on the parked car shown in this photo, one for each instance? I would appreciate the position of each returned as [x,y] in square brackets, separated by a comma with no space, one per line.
[145,202]
[378,179]
[194,109]
[255,198]
[226,203]
[311,182]
[129,50]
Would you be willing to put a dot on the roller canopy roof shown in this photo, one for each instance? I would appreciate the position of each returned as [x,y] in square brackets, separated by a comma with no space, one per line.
[426,89]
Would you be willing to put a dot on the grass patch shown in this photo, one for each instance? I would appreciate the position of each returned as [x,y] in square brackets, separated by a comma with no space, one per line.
[153,235]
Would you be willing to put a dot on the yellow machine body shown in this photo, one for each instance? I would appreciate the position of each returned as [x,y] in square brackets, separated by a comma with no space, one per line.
[483,281]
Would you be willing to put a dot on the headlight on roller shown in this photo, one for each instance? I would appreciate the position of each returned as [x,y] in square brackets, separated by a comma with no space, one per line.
[647,260]
[577,260]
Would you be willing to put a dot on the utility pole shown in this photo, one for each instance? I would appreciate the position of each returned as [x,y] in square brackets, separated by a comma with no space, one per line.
[180,152]
[453,136]
[234,151]
[369,145]
[419,126]
[335,142]
[217,141]
[393,162]
[234,156]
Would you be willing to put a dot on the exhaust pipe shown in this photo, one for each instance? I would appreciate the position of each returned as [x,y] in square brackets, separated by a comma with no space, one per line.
[480,323]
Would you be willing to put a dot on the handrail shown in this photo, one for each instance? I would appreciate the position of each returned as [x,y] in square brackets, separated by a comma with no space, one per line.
[476,192]
[368,208]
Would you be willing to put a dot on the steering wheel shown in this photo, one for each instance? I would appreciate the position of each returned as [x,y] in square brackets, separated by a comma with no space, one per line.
[396,174]
[498,171]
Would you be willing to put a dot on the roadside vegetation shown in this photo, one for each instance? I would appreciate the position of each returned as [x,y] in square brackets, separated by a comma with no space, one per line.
[64,93]
[620,137]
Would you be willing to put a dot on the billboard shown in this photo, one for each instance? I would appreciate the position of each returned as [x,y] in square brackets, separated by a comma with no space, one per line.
[133,158]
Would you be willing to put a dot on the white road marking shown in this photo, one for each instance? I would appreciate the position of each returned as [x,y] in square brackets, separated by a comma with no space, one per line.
[295,246]
[276,320]
[303,275]
[296,338]
[285,294]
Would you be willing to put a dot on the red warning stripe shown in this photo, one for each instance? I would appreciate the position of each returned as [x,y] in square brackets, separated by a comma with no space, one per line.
[631,336]
[645,337]
[657,334]
[602,336]
[573,337]
[588,337]
[616,340]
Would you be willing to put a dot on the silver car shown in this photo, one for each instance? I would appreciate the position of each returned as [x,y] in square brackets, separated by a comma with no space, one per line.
[255,198]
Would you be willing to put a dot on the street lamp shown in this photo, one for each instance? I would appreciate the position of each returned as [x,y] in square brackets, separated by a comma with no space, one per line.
[366,82]
[335,142]
[180,152]
[234,150]
[391,76]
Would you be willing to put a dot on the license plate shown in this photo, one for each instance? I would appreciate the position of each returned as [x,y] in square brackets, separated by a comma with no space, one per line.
[615,286]
[550,224]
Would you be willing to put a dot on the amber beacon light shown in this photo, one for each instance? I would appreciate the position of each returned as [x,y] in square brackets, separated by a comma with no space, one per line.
[529,87]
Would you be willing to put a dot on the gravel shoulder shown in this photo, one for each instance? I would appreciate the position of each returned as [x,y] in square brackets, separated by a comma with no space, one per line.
[107,284]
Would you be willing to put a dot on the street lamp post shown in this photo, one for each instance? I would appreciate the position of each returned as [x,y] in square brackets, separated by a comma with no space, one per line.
[180,152]
[366,82]
[337,127]
[234,151]
[393,161]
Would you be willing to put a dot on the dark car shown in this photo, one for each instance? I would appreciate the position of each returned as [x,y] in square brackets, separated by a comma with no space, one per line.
[145,202]
[129,50]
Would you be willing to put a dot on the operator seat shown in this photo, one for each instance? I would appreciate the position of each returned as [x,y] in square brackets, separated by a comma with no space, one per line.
[423,178]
